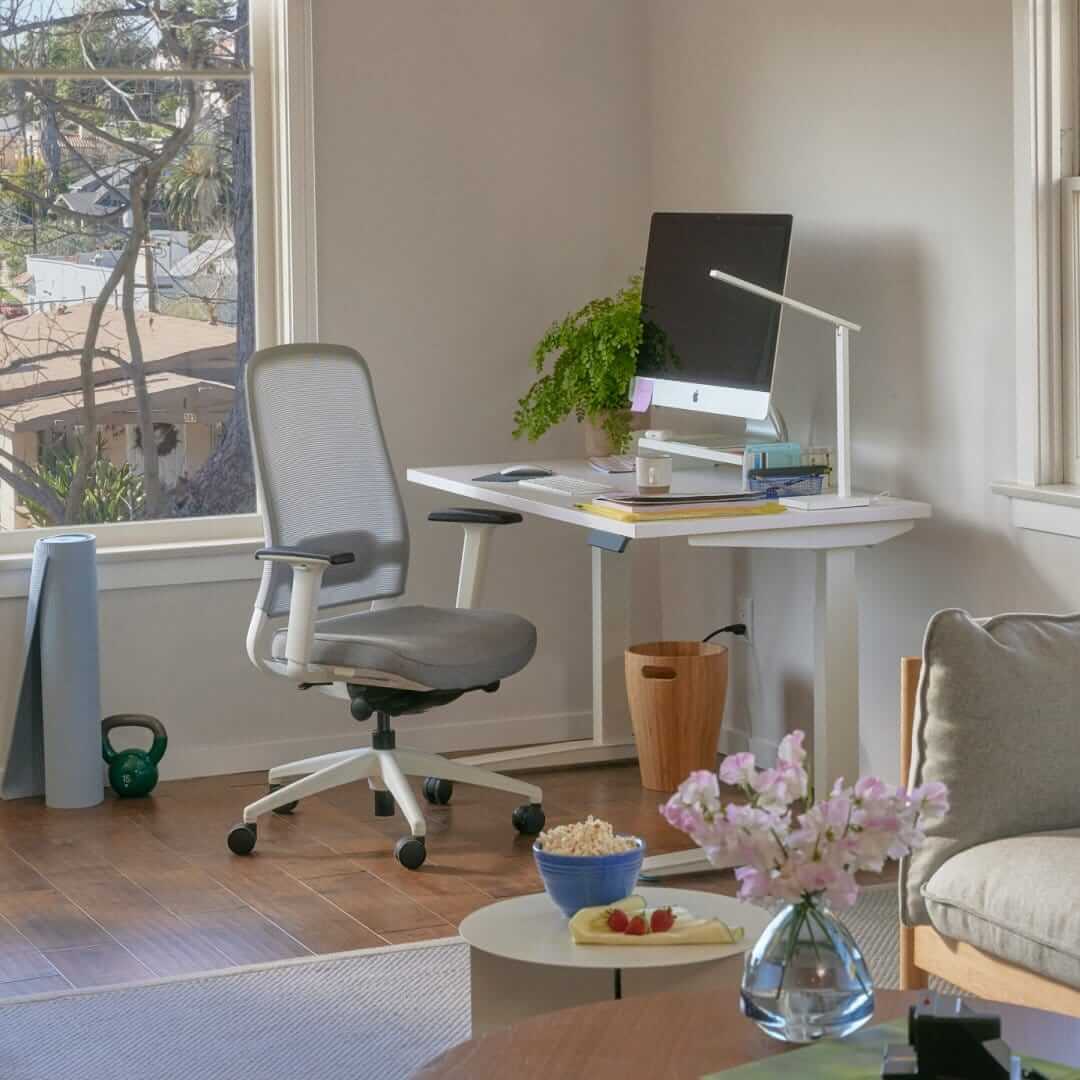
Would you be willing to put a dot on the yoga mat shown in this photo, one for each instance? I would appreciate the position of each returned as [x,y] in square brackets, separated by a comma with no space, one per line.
[55,744]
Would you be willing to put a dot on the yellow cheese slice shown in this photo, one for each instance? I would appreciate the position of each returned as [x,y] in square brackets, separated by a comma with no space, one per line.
[589,927]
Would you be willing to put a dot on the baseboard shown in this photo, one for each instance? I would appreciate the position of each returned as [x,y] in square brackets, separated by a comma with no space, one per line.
[183,762]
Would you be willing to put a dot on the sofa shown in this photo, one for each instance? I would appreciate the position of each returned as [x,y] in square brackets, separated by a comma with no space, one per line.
[991,902]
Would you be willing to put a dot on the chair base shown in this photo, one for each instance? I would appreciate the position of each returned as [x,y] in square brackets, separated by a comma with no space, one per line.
[386,771]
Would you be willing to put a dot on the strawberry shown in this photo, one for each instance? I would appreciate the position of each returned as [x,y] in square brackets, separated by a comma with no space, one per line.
[618,921]
[637,926]
[662,920]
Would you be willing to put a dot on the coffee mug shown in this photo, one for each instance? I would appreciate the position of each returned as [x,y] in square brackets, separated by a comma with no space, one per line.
[653,475]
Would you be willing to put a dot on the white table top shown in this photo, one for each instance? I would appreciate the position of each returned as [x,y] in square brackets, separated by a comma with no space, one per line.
[459,480]
[532,929]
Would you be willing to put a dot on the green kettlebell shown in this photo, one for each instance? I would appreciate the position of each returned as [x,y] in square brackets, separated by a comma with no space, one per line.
[133,772]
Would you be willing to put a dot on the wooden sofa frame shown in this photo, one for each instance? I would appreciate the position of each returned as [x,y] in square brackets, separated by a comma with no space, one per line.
[925,952]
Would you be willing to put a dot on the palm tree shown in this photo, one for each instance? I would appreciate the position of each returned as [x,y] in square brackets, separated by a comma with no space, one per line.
[198,187]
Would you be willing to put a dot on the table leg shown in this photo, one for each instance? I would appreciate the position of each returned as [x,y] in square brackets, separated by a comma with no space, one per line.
[836,670]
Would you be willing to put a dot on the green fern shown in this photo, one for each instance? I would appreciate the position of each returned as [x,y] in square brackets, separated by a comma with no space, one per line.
[596,356]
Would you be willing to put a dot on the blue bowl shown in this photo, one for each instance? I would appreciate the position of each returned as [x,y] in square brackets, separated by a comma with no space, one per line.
[578,881]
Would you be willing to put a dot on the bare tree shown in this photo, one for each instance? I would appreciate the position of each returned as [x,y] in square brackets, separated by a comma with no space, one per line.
[162,34]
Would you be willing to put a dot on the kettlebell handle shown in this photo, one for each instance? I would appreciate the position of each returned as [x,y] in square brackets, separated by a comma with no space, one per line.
[137,720]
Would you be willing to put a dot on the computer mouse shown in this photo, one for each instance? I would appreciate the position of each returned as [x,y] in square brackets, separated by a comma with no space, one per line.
[525,471]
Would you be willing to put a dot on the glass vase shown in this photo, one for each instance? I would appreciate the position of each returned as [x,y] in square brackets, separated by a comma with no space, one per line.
[806,979]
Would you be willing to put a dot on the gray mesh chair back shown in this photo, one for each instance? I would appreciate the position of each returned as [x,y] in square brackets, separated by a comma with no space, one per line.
[325,479]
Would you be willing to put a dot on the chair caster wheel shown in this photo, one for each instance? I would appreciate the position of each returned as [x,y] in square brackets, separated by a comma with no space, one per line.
[288,808]
[438,792]
[384,803]
[529,818]
[411,851]
[242,839]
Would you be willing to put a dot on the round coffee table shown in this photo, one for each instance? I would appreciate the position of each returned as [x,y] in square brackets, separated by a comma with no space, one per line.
[523,962]
[686,1036]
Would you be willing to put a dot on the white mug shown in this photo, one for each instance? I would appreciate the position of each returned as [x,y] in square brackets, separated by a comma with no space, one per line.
[653,475]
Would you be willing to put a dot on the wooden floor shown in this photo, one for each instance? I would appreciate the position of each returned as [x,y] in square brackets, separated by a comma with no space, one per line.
[140,888]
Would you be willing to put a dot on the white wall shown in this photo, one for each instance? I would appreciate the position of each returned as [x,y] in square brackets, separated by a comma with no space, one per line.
[886,129]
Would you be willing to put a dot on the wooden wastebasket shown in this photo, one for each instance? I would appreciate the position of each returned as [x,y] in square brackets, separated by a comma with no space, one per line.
[676,691]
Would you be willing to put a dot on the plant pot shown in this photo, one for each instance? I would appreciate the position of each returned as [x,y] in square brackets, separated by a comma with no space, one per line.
[597,440]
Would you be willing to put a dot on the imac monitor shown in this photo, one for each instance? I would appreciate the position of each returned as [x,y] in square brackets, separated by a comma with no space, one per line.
[707,347]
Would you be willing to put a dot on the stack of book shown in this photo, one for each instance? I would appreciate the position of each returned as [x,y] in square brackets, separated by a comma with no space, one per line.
[632,507]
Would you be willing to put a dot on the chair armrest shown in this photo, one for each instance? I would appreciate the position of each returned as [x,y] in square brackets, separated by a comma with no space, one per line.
[475,515]
[307,568]
[298,557]
[477,521]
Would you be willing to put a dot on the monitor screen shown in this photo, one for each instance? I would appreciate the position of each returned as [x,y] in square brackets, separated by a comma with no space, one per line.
[698,330]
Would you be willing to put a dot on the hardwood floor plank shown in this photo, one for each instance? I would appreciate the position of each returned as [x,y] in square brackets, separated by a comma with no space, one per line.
[374,903]
[245,937]
[23,963]
[174,949]
[185,889]
[97,965]
[51,921]
[427,933]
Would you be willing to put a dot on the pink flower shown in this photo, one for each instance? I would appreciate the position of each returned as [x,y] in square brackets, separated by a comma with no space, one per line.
[857,827]
[737,769]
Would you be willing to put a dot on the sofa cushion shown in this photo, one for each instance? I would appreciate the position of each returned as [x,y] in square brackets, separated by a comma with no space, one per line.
[1015,899]
[998,721]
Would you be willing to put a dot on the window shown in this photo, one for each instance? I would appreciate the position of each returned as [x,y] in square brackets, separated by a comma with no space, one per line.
[130,292]
[1046,93]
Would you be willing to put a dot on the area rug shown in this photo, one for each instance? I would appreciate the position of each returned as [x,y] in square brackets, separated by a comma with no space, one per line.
[376,1013]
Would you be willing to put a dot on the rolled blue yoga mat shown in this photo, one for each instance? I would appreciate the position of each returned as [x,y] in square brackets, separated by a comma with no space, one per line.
[55,744]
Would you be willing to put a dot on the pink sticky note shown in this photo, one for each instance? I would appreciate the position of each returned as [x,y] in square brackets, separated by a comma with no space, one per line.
[642,398]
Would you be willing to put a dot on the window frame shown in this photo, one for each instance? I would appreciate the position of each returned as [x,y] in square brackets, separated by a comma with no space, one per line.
[286,298]
[1046,99]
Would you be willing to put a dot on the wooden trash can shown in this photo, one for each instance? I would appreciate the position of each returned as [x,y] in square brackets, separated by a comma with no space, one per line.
[677,691]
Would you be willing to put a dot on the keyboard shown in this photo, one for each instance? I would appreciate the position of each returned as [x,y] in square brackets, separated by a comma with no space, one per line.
[565,485]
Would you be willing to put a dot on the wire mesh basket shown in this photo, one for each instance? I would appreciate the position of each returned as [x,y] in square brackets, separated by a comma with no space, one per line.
[779,485]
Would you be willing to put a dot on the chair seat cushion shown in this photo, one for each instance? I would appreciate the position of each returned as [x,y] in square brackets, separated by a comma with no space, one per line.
[1016,899]
[440,648]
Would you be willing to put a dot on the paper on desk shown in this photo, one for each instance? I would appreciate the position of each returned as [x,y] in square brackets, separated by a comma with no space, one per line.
[642,398]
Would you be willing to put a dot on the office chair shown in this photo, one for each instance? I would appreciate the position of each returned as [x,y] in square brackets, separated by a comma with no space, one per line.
[336,535]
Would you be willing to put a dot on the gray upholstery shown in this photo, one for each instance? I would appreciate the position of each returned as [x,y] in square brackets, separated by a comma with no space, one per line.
[325,478]
[998,721]
[444,649]
[1016,899]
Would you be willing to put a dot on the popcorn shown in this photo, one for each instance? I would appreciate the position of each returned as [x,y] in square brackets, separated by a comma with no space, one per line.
[589,837]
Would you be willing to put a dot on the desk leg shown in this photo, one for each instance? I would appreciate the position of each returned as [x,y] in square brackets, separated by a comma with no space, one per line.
[612,736]
[611,584]
[836,670]
[836,695]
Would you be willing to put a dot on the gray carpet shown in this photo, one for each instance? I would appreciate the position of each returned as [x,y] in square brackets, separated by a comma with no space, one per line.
[380,1013]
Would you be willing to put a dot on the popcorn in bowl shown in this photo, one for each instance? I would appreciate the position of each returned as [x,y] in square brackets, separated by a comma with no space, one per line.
[589,837]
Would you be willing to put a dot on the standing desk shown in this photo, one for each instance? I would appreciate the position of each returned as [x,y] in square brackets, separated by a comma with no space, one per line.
[833,534]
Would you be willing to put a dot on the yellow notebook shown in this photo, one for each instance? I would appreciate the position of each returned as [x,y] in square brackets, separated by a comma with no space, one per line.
[675,514]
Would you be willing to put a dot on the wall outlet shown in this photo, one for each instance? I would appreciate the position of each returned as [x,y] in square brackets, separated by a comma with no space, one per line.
[744,613]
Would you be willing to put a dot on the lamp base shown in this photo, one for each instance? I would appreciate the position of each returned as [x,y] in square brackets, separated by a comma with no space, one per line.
[824,502]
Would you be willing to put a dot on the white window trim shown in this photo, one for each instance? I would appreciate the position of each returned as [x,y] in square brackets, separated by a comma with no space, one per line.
[1045,494]
[187,550]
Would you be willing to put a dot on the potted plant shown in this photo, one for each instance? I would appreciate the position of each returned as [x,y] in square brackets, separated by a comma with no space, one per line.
[596,354]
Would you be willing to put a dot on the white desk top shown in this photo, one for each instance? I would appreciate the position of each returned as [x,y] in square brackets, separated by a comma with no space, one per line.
[533,930]
[459,480]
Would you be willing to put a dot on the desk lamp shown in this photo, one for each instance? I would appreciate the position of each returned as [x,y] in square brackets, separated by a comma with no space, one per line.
[843,497]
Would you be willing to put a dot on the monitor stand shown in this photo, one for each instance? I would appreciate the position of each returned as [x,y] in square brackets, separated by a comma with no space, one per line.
[720,449]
